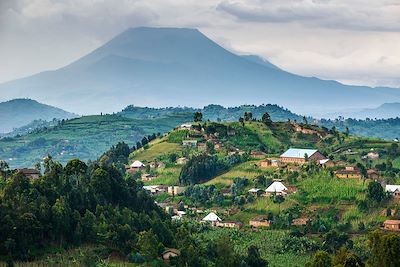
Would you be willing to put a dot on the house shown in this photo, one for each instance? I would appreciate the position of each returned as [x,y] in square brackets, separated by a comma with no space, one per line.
[202,146]
[276,188]
[373,156]
[185,126]
[326,163]
[218,146]
[29,173]
[393,190]
[155,189]
[148,177]
[229,224]
[190,143]
[392,225]
[137,165]
[255,191]
[270,163]
[349,172]
[301,156]
[176,190]
[182,161]
[260,222]
[373,174]
[170,253]
[258,154]
[301,221]
[226,191]
[291,189]
[212,218]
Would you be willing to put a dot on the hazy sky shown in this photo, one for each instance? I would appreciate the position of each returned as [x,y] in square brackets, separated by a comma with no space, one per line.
[353,41]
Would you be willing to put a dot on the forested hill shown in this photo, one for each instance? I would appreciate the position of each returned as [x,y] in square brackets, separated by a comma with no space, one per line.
[85,138]
[213,112]
[379,128]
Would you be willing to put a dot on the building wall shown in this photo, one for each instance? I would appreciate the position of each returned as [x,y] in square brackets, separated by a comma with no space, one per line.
[317,156]
[393,227]
[293,160]
[349,176]
[260,223]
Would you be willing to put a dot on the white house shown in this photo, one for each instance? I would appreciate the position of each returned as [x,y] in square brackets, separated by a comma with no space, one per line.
[137,164]
[276,188]
[393,190]
[254,191]
[212,218]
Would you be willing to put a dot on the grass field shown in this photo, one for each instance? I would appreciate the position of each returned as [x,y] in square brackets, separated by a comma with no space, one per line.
[268,242]
[167,176]
[248,170]
[81,256]
[84,138]
[325,189]
[156,149]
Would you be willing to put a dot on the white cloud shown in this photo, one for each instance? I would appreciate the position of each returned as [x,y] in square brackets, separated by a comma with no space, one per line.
[353,41]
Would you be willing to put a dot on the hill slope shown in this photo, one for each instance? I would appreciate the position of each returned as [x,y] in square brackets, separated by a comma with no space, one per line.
[174,66]
[85,138]
[20,112]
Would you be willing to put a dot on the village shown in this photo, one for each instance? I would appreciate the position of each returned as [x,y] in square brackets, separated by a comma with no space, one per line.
[293,160]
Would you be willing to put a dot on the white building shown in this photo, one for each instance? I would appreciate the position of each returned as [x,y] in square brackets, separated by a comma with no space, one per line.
[276,188]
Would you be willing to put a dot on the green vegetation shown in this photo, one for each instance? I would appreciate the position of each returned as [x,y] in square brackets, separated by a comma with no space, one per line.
[319,220]
[85,138]
[268,242]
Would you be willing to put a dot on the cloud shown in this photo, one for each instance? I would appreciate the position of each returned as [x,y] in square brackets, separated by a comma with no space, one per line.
[354,41]
[378,15]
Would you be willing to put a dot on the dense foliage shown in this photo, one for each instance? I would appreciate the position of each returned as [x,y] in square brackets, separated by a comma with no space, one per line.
[203,167]
[78,204]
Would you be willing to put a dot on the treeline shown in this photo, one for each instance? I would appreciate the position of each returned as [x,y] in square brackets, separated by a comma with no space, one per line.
[379,128]
[202,168]
[76,204]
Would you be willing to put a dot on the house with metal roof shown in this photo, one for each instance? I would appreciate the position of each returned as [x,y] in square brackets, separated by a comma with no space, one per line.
[393,190]
[276,188]
[301,155]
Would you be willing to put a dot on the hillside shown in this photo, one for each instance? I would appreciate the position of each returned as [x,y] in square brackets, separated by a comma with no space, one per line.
[212,112]
[253,136]
[20,112]
[30,143]
[316,210]
[158,67]
[85,138]
[219,168]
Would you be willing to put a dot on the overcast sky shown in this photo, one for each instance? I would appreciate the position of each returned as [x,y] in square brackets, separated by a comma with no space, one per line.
[352,41]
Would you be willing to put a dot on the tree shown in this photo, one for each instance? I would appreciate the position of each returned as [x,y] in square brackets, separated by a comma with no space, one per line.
[198,116]
[279,199]
[248,116]
[4,168]
[375,192]
[148,245]
[225,254]
[241,120]
[266,119]
[385,249]
[321,259]
[305,120]
[61,216]
[253,258]
[101,184]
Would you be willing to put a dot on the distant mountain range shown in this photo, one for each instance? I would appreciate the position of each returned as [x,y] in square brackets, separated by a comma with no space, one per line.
[182,67]
[20,112]
[384,111]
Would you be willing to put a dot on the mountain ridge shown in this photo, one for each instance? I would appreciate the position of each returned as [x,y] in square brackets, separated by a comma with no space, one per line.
[179,66]
[20,112]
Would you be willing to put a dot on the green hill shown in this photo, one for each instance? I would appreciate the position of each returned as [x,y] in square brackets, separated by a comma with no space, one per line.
[19,112]
[85,138]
